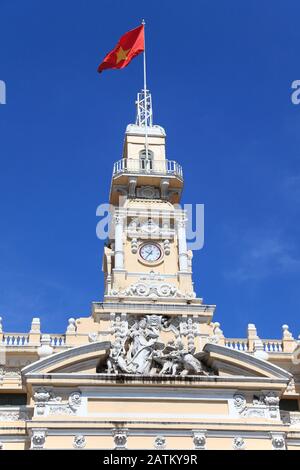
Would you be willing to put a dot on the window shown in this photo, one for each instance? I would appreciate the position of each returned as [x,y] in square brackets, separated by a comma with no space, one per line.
[146,163]
[13,399]
[289,405]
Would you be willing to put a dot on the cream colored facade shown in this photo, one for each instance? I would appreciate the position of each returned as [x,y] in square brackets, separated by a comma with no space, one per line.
[149,368]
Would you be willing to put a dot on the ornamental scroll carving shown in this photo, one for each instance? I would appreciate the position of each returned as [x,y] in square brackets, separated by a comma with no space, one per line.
[47,403]
[154,289]
[140,350]
[265,405]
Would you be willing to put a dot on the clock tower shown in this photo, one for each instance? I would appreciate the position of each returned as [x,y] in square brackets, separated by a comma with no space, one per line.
[147,265]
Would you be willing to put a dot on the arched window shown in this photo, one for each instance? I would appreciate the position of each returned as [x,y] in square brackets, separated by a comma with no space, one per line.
[146,162]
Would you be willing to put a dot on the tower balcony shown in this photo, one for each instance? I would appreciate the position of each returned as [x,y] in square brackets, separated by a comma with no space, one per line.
[151,167]
[130,173]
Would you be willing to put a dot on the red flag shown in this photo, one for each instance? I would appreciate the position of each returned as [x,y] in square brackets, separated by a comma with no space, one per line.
[130,45]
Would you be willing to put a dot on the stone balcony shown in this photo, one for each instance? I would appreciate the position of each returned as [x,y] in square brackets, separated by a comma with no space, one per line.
[148,167]
[129,174]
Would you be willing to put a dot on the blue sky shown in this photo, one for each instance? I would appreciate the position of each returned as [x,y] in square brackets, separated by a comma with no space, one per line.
[220,75]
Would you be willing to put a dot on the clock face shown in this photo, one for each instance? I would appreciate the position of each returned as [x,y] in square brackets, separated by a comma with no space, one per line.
[150,252]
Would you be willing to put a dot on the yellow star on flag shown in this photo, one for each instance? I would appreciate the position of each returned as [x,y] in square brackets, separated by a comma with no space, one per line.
[121,54]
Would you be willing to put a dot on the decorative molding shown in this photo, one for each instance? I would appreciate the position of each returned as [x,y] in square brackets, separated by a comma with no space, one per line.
[9,372]
[152,289]
[148,192]
[13,415]
[46,403]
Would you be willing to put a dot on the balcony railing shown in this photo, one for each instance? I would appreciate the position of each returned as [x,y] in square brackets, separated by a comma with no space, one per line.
[148,167]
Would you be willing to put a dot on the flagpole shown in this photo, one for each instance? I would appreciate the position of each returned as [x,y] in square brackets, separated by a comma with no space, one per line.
[145,93]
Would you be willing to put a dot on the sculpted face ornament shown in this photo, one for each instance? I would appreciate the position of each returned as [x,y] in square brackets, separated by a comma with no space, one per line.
[75,400]
[79,442]
[160,442]
[278,442]
[239,401]
[38,439]
[199,440]
[120,438]
[238,443]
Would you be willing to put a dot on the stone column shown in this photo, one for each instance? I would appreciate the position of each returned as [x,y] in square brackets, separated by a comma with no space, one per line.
[119,252]
[182,245]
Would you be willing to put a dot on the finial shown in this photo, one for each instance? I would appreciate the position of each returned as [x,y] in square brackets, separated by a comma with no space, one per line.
[71,328]
[286,332]
[143,22]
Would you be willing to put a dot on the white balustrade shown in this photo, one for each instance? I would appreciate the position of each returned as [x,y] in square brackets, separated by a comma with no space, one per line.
[272,346]
[57,341]
[15,339]
[163,167]
[22,339]
[237,344]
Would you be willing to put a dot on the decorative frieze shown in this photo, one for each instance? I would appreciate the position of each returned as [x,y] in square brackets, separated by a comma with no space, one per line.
[15,414]
[152,289]
[148,192]
[46,403]
[265,405]
[9,372]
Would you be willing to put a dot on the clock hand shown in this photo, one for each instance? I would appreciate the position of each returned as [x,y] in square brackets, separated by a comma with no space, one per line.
[149,254]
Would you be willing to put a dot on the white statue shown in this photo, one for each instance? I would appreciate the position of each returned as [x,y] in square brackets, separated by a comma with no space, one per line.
[141,351]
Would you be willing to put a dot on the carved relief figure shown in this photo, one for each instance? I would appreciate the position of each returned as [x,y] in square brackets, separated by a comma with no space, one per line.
[141,351]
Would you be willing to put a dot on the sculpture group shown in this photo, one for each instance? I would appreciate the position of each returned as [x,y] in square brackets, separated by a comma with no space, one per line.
[141,351]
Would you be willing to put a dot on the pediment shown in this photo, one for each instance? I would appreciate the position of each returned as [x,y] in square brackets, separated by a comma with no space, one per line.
[82,359]
[238,363]
[221,361]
